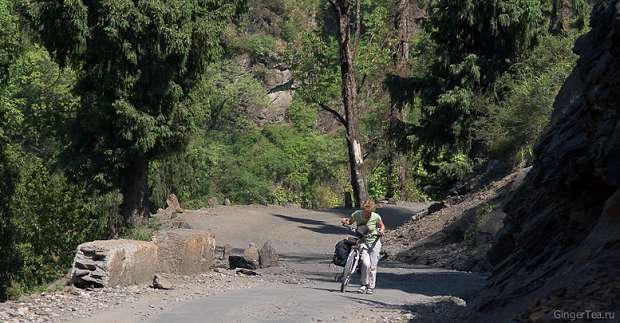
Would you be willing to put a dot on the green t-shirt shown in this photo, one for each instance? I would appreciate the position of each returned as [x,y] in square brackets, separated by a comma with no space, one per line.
[373,224]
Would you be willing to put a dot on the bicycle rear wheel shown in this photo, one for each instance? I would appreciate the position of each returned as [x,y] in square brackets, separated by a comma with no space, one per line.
[347,272]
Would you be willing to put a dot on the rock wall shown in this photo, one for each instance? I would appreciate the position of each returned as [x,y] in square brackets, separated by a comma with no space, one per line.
[559,251]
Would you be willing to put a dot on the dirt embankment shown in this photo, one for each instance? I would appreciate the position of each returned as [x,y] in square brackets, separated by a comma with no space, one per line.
[459,235]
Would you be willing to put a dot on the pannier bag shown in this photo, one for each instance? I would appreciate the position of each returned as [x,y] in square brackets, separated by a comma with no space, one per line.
[341,252]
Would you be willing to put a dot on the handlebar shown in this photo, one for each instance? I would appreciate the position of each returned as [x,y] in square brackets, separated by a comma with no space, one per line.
[351,228]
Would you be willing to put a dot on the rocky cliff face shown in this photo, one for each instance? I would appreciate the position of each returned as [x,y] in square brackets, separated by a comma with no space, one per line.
[559,252]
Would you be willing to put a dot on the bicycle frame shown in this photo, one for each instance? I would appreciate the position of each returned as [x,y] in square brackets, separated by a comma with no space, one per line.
[352,263]
[351,266]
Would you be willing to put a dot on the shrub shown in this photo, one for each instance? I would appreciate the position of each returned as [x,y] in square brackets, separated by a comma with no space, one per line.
[51,217]
[526,93]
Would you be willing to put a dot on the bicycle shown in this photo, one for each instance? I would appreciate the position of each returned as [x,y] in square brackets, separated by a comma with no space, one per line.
[353,259]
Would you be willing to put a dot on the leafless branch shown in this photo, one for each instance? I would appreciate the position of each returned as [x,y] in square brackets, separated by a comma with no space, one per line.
[336,114]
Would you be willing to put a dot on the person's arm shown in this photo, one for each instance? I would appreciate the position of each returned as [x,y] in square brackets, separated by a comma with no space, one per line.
[381,226]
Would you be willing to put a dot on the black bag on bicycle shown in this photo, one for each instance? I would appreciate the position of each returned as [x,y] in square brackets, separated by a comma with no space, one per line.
[341,252]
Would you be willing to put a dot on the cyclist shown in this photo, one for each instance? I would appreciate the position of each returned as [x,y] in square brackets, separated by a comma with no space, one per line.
[372,244]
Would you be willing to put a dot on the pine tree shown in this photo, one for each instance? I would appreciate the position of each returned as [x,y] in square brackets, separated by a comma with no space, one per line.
[137,62]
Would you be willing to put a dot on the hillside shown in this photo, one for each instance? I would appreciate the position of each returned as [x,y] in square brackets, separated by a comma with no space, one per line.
[559,247]
[459,235]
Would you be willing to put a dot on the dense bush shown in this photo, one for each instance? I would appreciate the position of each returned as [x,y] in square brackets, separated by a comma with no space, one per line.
[524,99]
[51,217]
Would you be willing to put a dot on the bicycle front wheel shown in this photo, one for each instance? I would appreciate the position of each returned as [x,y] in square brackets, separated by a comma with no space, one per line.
[347,272]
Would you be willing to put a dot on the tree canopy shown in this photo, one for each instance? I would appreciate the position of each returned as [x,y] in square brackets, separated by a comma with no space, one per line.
[137,63]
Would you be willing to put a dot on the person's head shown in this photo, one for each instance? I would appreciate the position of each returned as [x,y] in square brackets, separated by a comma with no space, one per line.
[368,207]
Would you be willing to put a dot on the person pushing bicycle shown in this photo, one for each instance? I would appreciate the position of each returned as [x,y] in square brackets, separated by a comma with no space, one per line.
[372,243]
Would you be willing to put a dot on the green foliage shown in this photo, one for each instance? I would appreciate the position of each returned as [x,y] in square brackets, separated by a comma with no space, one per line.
[377,183]
[473,43]
[444,171]
[8,254]
[10,38]
[243,162]
[137,64]
[259,46]
[486,73]
[51,217]
[526,94]
[43,216]
[143,233]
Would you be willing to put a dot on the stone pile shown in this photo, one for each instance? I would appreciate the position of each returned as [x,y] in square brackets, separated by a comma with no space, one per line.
[254,258]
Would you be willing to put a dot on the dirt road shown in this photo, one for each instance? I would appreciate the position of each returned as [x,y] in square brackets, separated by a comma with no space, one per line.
[301,289]
[305,240]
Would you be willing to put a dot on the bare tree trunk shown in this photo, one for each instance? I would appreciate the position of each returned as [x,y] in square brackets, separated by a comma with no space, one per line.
[348,47]
[134,209]
[402,23]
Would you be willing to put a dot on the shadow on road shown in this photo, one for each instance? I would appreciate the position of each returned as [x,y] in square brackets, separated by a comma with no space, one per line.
[413,279]
[315,225]
[457,284]
[393,216]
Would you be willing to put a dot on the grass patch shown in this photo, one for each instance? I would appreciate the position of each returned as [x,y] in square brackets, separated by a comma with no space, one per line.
[143,233]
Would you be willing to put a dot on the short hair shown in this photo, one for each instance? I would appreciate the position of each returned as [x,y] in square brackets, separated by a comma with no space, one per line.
[368,206]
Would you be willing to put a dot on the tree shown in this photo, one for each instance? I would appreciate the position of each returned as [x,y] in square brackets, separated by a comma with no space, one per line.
[406,13]
[349,30]
[473,43]
[137,63]
[10,49]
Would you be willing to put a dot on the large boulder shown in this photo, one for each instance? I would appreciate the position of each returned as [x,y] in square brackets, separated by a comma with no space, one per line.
[268,256]
[114,262]
[183,251]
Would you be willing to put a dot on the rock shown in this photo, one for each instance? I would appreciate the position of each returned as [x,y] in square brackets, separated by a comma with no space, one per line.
[228,249]
[185,252]
[227,202]
[279,103]
[493,223]
[241,262]
[247,272]
[173,203]
[436,207]
[268,256]
[160,282]
[175,224]
[276,78]
[251,253]
[612,206]
[213,202]
[114,262]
